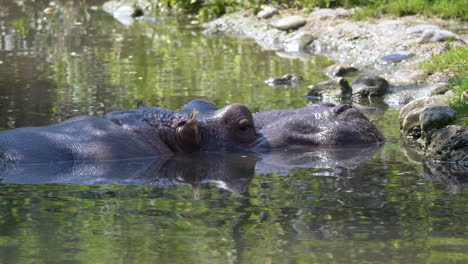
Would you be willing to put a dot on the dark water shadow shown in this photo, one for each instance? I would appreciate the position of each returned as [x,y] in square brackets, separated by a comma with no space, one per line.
[453,175]
[231,171]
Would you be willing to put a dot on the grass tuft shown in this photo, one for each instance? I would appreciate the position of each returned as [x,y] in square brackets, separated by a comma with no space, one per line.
[454,61]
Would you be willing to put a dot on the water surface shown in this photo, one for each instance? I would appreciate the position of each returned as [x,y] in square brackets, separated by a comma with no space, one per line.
[377,205]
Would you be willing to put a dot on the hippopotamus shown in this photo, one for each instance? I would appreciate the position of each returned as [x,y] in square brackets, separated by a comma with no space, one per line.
[199,126]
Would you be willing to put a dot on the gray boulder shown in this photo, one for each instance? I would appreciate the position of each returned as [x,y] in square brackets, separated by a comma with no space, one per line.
[436,117]
[410,115]
[339,70]
[448,144]
[437,35]
[370,86]
[289,23]
[336,88]
[440,88]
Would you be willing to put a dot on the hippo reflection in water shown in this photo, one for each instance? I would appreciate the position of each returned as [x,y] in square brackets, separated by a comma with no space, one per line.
[197,127]
[230,171]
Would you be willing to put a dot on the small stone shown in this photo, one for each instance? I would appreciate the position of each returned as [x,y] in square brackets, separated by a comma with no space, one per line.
[397,56]
[339,70]
[370,86]
[49,10]
[338,88]
[289,23]
[268,12]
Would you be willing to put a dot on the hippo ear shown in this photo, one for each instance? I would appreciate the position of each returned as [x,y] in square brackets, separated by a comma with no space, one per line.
[141,103]
[188,134]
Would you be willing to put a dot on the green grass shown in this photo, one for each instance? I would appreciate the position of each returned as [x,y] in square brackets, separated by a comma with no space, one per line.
[455,61]
[367,8]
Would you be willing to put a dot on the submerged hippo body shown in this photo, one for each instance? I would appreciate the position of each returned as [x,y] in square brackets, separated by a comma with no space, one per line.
[197,127]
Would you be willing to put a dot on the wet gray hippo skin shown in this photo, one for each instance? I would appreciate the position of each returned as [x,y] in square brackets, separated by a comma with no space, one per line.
[198,126]
[128,134]
[317,125]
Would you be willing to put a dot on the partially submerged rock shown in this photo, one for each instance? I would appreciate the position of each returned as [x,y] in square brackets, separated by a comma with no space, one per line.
[289,23]
[370,86]
[339,70]
[448,144]
[336,88]
[286,80]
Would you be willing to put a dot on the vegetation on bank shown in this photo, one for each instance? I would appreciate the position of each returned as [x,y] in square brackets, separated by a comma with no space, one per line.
[367,8]
[454,61]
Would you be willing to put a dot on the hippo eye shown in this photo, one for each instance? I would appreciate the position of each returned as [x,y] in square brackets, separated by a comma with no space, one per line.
[244,124]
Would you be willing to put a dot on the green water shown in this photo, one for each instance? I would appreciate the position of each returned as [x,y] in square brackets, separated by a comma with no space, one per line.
[383,208]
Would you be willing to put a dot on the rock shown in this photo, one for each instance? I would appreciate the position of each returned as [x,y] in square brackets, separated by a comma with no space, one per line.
[464,97]
[440,88]
[298,42]
[448,144]
[268,12]
[289,23]
[436,117]
[418,29]
[397,56]
[328,13]
[370,86]
[126,10]
[408,76]
[339,70]
[436,35]
[409,117]
[452,175]
[337,88]
[124,14]
[391,25]
[286,80]
[402,95]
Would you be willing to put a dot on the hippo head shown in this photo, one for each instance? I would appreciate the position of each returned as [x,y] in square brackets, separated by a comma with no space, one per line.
[208,129]
[317,125]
